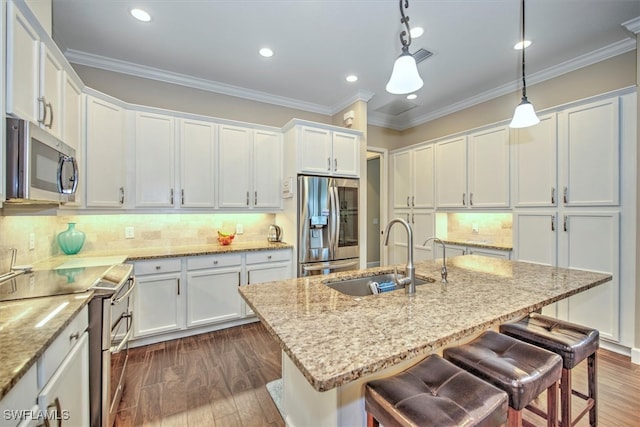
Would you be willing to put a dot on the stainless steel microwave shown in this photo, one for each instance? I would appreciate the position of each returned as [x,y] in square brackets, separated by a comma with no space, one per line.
[40,167]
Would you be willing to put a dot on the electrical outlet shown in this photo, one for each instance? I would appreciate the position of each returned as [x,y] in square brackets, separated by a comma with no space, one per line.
[32,241]
[129,233]
[239,229]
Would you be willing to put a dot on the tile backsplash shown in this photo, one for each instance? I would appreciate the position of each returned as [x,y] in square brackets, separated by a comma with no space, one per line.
[107,232]
[492,228]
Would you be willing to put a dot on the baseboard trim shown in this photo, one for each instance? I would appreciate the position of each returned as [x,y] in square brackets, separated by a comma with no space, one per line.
[635,355]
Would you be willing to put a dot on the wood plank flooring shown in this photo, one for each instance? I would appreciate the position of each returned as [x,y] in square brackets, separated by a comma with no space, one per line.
[218,380]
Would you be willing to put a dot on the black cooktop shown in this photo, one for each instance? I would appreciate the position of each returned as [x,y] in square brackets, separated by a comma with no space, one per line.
[41,283]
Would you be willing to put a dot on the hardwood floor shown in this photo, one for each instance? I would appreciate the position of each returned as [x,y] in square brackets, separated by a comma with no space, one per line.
[215,380]
[218,380]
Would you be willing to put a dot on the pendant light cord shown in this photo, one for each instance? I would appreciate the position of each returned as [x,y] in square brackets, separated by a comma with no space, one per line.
[524,83]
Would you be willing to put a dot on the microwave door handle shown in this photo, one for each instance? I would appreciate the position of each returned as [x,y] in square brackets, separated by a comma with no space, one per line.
[62,189]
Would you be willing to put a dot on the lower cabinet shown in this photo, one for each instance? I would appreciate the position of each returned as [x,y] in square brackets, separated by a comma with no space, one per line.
[212,289]
[267,266]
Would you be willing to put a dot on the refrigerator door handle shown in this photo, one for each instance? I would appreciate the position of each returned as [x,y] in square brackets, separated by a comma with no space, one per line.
[336,219]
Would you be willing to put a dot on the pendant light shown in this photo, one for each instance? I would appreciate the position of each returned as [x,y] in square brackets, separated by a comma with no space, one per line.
[524,115]
[404,77]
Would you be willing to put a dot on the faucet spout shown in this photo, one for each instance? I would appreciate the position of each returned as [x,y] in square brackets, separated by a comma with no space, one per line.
[411,270]
[443,272]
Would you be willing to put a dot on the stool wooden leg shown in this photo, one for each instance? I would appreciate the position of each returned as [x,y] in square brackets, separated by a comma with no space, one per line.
[514,418]
[592,370]
[371,421]
[565,398]
[552,405]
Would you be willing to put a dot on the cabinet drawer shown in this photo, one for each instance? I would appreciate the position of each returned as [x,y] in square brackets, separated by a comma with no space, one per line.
[153,266]
[268,256]
[58,350]
[213,261]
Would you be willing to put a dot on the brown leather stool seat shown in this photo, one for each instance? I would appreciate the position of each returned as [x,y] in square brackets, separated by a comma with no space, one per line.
[574,343]
[522,370]
[434,393]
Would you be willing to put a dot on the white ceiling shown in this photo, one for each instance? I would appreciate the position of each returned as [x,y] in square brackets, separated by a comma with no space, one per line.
[213,44]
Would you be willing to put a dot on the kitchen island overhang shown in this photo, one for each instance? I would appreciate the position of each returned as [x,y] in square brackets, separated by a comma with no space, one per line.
[335,339]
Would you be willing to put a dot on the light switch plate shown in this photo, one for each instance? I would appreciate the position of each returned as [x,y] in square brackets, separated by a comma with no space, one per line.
[129,233]
[239,229]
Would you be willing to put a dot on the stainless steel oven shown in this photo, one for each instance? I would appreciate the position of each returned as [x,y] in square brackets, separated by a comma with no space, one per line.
[110,328]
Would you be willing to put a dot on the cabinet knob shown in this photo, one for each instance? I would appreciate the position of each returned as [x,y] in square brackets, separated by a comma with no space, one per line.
[74,336]
[269,257]
[158,267]
[215,262]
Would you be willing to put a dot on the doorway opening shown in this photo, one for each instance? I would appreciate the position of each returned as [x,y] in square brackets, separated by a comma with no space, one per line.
[376,205]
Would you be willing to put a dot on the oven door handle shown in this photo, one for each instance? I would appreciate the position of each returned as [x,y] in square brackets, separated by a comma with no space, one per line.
[126,294]
[117,348]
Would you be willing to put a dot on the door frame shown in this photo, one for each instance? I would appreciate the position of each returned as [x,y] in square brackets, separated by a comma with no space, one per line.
[384,189]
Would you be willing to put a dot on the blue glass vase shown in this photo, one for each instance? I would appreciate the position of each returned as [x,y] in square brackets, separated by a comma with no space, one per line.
[71,240]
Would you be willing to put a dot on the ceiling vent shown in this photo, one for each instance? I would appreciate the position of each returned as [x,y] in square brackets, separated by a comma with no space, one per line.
[421,54]
[396,107]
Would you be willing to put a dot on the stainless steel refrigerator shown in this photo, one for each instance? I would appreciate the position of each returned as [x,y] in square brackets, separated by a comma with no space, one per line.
[327,225]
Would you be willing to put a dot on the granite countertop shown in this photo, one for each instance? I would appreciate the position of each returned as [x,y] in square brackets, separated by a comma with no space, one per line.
[335,338]
[479,244]
[22,342]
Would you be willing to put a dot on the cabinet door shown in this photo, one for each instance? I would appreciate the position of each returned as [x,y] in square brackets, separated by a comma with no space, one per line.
[423,224]
[267,169]
[72,113]
[489,168]
[315,151]
[346,154]
[451,173]
[266,273]
[590,145]
[212,296]
[423,176]
[155,153]
[156,304]
[197,164]
[591,242]
[401,175]
[397,241]
[68,390]
[51,83]
[105,154]
[535,157]
[535,237]
[234,170]
[23,66]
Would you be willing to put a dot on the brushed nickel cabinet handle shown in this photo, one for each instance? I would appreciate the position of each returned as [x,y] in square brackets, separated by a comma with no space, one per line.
[74,336]
[413,200]
[247,198]
[171,196]
[178,282]
[565,195]
[407,201]
[328,163]
[255,198]
[122,195]
[470,199]
[335,164]
[182,197]
[464,199]
[553,223]
[553,195]
[240,279]
[248,277]
[565,223]
[50,124]
[42,101]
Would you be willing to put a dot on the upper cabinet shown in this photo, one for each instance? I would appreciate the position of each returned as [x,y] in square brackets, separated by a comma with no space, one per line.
[413,178]
[589,154]
[535,155]
[323,150]
[249,168]
[38,79]
[106,173]
[155,154]
[473,170]
[197,163]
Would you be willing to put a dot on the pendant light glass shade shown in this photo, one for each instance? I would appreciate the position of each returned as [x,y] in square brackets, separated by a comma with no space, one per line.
[404,77]
[524,115]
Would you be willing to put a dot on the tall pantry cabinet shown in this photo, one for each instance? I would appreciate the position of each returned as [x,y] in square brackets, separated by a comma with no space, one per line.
[570,207]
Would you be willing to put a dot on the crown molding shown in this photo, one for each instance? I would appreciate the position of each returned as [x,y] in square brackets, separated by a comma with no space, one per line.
[133,69]
[361,95]
[632,25]
[576,63]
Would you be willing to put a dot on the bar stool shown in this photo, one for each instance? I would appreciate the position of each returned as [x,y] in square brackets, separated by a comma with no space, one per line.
[522,370]
[573,343]
[434,393]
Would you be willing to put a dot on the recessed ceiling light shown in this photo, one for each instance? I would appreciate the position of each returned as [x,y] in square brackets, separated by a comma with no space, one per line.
[266,52]
[412,96]
[352,78]
[140,15]
[518,46]
[417,32]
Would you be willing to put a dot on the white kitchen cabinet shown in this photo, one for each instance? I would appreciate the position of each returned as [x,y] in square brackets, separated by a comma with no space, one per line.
[267,266]
[158,297]
[105,154]
[72,119]
[473,171]
[535,237]
[51,84]
[67,392]
[422,222]
[589,160]
[197,163]
[212,289]
[154,160]
[250,168]
[325,150]
[20,399]
[413,178]
[589,240]
[535,181]
[451,173]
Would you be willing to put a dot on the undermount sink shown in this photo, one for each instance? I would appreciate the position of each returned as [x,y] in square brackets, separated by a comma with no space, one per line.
[359,287]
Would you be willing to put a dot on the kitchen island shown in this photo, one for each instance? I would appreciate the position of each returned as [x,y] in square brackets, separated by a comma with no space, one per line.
[333,343]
